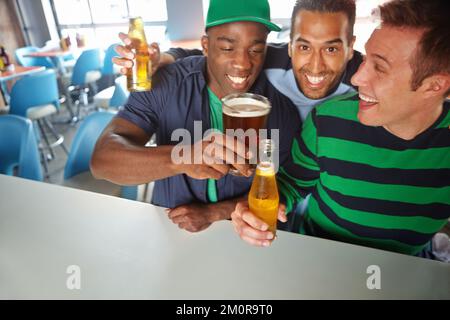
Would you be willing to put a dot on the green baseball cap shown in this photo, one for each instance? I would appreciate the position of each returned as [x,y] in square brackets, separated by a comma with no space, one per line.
[226,11]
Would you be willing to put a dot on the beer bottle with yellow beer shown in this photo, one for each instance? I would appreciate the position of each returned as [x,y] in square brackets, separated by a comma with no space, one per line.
[263,198]
[139,77]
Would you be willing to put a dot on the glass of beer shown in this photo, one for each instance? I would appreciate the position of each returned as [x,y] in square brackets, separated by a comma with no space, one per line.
[245,111]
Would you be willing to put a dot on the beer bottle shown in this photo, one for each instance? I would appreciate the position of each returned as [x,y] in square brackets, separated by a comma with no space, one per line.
[263,198]
[139,77]
[2,61]
[5,62]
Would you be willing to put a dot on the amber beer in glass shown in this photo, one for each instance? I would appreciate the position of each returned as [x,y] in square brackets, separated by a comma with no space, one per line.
[139,77]
[245,111]
[263,198]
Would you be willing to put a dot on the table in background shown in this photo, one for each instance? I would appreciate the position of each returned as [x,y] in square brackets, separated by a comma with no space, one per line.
[17,72]
[127,249]
[57,57]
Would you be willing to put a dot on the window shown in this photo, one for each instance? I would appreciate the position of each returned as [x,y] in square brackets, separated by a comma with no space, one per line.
[108,11]
[365,24]
[150,10]
[101,20]
[72,11]
[281,9]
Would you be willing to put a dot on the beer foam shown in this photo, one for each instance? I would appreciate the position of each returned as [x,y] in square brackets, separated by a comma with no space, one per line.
[245,108]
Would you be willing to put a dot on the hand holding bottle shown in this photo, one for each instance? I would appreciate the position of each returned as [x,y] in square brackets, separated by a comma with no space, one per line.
[126,56]
[252,229]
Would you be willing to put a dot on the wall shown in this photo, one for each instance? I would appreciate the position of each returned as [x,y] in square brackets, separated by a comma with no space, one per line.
[10,35]
[34,22]
[185,19]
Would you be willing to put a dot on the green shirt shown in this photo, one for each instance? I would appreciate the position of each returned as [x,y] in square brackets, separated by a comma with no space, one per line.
[368,186]
[215,106]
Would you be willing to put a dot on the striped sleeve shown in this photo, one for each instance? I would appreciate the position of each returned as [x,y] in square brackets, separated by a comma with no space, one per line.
[298,176]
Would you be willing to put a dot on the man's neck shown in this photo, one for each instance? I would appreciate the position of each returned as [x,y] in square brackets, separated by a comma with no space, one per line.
[415,125]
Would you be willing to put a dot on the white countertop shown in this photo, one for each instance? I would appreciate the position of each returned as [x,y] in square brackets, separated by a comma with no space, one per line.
[131,250]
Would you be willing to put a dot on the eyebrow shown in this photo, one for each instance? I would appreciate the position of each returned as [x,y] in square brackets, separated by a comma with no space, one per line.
[337,40]
[226,39]
[381,58]
[230,40]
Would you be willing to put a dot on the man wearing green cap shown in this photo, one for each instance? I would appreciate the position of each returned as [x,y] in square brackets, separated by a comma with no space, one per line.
[323,60]
[189,91]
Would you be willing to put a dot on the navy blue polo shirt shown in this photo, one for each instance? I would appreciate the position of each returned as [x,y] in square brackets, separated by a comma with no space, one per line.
[178,98]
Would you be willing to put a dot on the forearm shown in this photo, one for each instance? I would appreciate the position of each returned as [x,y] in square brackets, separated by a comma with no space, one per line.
[123,162]
[166,58]
[223,209]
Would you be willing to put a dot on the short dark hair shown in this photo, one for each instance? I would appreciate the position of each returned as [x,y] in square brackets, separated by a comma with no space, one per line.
[327,6]
[432,55]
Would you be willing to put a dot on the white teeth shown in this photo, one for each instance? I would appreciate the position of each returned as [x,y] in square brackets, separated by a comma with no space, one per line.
[315,80]
[367,99]
[237,80]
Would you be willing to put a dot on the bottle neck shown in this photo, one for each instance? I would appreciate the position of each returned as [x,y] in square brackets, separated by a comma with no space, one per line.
[265,163]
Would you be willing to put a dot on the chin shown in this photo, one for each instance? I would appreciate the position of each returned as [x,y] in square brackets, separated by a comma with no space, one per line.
[312,94]
[367,120]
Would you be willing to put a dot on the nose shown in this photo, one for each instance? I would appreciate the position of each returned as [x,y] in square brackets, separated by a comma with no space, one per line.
[359,79]
[316,63]
[242,60]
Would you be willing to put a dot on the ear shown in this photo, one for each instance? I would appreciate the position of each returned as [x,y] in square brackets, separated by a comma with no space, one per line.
[436,85]
[205,42]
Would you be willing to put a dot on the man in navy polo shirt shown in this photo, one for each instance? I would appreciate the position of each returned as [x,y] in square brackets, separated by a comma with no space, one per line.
[189,91]
[316,65]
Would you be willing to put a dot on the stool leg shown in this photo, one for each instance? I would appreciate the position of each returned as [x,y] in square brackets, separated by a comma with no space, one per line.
[44,135]
[44,164]
[57,136]
[69,105]
[84,97]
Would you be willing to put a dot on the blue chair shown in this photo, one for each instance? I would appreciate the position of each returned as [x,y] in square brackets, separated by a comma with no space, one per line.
[83,146]
[34,90]
[113,97]
[108,65]
[87,68]
[18,148]
[32,61]
[36,97]
[86,72]
[121,94]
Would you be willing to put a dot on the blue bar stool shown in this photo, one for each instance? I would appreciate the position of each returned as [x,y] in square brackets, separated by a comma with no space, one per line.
[81,152]
[18,148]
[36,97]
[113,97]
[86,72]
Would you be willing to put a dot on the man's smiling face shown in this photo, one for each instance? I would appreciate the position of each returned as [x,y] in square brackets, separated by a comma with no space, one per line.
[384,78]
[235,56]
[320,50]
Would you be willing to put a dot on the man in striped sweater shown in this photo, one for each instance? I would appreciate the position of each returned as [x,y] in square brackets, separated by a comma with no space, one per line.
[377,165]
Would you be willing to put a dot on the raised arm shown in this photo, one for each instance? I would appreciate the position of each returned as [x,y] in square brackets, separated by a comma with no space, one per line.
[158,59]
